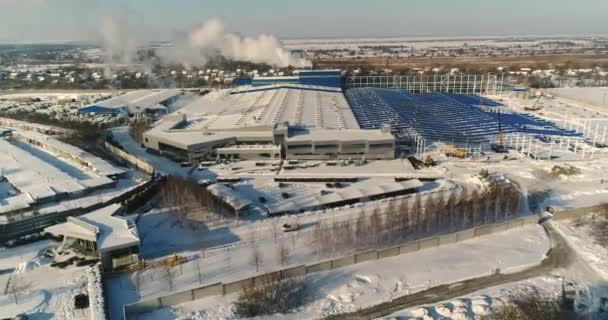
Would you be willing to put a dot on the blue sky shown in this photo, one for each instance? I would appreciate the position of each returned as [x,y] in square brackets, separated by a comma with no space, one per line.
[32,20]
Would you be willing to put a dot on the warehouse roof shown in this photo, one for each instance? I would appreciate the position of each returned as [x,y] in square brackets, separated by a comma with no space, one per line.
[303,105]
[134,101]
[229,196]
[97,164]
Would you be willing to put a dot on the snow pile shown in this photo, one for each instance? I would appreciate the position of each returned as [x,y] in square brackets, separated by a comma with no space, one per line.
[478,304]
[95,291]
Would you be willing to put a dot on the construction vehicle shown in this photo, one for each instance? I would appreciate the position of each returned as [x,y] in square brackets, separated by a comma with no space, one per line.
[499,147]
[535,106]
[171,262]
[456,153]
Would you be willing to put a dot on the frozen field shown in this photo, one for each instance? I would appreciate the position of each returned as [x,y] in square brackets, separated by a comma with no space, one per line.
[417,42]
[580,235]
[594,96]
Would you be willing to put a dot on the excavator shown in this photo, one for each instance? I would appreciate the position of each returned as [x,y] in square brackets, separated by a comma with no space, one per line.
[535,106]
[455,152]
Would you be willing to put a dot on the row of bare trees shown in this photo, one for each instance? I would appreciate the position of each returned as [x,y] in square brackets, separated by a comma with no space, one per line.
[190,201]
[410,219]
[137,127]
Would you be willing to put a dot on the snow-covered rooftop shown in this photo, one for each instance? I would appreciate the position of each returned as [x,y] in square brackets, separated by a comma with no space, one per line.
[323,135]
[108,231]
[137,101]
[99,165]
[303,105]
[228,195]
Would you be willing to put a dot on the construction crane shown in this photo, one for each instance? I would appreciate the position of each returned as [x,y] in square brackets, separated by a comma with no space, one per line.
[499,147]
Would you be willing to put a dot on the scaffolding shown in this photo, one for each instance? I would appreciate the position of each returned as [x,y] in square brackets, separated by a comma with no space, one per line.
[460,83]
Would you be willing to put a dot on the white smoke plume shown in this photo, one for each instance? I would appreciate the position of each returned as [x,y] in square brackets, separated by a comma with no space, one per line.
[118,46]
[212,38]
[196,48]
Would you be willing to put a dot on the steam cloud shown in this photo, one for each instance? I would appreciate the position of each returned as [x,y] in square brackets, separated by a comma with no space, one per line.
[198,46]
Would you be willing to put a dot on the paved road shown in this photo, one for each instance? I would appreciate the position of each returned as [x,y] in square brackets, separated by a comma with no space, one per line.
[560,255]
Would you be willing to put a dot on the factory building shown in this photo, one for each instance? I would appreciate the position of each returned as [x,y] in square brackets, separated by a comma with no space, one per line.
[289,121]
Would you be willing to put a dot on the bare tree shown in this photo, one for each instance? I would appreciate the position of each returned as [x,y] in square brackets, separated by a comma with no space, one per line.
[465,208]
[475,207]
[271,297]
[168,274]
[17,285]
[275,229]
[451,204]
[198,270]
[256,258]
[136,280]
[375,225]
[430,209]
[440,212]
[499,203]
[317,241]
[283,254]
[404,219]
[361,230]
[416,211]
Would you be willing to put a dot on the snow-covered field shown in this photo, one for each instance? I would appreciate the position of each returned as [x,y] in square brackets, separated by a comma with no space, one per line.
[418,42]
[594,96]
[367,284]
[49,292]
[579,234]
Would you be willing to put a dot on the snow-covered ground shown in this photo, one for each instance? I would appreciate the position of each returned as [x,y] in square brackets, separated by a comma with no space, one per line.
[579,234]
[50,291]
[476,305]
[370,283]
[594,96]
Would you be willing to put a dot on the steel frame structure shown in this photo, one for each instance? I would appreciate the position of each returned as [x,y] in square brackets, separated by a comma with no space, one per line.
[459,83]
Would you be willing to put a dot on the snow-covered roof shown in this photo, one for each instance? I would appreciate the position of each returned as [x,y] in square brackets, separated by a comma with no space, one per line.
[110,232]
[136,101]
[97,164]
[308,200]
[33,176]
[302,105]
[229,196]
[345,135]
[17,124]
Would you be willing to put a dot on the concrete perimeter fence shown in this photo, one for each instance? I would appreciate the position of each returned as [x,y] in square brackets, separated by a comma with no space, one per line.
[137,162]
[303,270]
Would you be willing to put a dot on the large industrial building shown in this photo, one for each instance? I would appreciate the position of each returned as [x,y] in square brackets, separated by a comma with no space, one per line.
[134,102]
[292,121]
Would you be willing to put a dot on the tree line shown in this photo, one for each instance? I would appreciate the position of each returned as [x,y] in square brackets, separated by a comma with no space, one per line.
[191,201]
[409,219]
